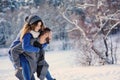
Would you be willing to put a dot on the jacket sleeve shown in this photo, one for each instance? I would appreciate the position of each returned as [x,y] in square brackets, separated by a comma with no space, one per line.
[26,44]
[44,45]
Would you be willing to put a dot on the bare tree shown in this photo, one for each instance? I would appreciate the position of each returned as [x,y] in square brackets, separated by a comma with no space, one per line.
[99,19]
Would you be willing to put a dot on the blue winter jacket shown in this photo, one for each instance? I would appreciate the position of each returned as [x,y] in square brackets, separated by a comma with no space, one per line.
[26,44]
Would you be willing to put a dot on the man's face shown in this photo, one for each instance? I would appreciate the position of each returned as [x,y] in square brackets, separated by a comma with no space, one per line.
[48,35]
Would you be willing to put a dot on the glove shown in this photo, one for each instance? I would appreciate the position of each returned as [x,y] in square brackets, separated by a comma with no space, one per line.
[41,46]
[37,44]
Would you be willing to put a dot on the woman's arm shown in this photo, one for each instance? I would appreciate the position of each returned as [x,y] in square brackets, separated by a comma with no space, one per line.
[26,44]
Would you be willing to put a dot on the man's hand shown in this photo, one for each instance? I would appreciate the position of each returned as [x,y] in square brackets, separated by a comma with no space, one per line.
[37,44]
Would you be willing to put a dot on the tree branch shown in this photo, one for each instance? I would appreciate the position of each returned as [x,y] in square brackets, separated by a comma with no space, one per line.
[77,27]
[72,29]
[111,29]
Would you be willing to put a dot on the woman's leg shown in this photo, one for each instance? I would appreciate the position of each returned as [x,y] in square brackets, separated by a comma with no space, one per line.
[25,67]
[33,78]
[48,76]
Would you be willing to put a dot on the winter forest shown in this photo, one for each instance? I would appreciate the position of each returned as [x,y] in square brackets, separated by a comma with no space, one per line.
[90,28]
[85,41]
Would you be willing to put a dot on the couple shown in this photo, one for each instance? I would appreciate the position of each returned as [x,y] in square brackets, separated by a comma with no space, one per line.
[27,50]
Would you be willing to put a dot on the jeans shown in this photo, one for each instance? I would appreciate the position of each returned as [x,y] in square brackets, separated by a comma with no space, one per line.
[25,68]
[48,76]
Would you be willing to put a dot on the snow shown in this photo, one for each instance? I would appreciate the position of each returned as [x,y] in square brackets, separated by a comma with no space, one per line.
[63,67]
[3,51]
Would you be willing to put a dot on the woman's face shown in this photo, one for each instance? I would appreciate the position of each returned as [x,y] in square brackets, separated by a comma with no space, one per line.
[38,27]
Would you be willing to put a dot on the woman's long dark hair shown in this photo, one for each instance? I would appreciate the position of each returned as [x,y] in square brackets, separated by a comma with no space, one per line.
[27,28]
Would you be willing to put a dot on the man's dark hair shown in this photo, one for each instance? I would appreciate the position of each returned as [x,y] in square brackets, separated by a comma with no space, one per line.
[45,31]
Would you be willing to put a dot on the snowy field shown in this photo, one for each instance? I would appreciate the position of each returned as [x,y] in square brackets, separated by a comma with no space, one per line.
[63,67]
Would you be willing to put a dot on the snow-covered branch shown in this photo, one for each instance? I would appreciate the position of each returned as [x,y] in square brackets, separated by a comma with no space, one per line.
[77,27]
[102,26]
[63,14]
[85,5]
[109,17]
[111,29]
[72,30]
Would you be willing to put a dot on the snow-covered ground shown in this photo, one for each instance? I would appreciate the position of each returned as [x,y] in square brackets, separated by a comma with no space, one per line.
[63,67]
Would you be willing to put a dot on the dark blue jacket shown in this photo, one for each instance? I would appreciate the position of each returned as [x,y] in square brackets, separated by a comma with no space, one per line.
[26,44]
